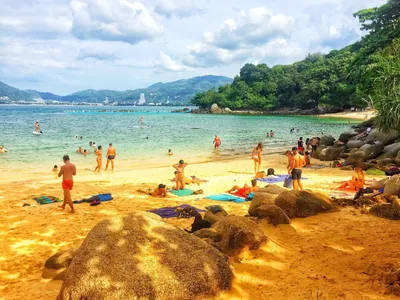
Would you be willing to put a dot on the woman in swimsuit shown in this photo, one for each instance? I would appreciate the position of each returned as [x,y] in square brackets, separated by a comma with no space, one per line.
[245,190]
[180,175]
[256,156]
[99,159]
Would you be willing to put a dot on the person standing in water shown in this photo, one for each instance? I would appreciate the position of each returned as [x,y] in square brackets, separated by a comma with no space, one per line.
[141,121]
[111,154]
[99,159]
[180,174]
[217,142]
[37,127]
[67,171]
[256,156]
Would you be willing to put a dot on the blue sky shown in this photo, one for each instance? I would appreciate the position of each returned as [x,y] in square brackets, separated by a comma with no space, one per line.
[63,46]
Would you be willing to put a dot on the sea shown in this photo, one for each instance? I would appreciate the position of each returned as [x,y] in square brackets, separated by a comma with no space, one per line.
[189,136]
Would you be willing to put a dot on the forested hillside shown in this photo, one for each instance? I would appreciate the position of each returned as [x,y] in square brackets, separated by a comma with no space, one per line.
[352,76]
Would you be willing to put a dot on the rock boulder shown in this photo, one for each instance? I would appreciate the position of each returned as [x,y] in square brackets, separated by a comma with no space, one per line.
[327,140]
[139,256]
[392,186]
[304,203]
[330,153]
[259,199]
[372,151]
[346,136]
[390,151]
[212,218]
[215,109]
[384,138]
[274,214]
[238,234]
[355,144]
[356,158]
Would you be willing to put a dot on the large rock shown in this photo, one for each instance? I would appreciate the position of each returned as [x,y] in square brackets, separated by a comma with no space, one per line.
[271,189]
[208,233]
[372,151]
[318,151]
[61,259]
[304,203]
[212,218]
[260,198]
[330,153]
[215,109]
[355,144]
[327,140]
[356,158]
[346,136]
[273,213]
[390,151]
[139,256]
[392,186]
[384,138]
[238,234]
[386,210]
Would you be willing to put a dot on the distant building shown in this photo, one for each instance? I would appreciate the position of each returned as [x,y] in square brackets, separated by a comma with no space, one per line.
[142,99]
[106,101]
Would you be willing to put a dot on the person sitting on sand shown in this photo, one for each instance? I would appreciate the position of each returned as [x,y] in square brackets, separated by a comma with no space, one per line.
[357,181]
[55,168]
[180,175]
[307,158]
[160,191]
[170,152]
[3,150]
[256,156]
[245,190]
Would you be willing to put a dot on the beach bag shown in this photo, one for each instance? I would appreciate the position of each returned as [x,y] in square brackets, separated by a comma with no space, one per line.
[288,183]
[260,174]
[104,197]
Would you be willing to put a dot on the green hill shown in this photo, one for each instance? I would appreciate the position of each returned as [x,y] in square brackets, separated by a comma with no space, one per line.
[179,92]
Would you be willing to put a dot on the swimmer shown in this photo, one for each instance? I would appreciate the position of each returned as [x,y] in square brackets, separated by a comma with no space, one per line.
[99,159]
[85,152]
[267,134]
[90,144]
[3,150]
[94,145]
[180,175]
[217,142]
[170,152]
[79,150]
[67,171]
[271,133]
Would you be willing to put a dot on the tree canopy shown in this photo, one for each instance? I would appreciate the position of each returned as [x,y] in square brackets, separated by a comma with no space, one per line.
[368,69]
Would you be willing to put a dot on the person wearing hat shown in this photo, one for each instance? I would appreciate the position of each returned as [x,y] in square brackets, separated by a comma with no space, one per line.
[180,175]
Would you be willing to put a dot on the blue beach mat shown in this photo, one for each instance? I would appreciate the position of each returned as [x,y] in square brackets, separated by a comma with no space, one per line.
[277,178]
[182,193]
[46,200]
[226,197]
[170,212]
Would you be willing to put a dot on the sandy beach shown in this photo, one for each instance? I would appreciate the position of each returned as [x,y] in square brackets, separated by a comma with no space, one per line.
[330,256]
[351,115]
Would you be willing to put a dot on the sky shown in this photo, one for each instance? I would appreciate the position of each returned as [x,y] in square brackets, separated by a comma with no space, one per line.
[63,46]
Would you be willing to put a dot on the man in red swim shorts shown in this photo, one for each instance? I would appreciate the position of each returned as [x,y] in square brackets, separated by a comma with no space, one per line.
[67,171]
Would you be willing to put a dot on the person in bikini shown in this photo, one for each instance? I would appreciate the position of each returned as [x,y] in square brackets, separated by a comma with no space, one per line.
[111,154]
[217,142]
[256,156]
[245,190]
[99,159]
[160,191]
[296,163]
[180,175]
[37,127]
[357,181]
[67,171]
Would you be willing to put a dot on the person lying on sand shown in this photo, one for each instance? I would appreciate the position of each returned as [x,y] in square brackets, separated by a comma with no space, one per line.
[245,190]
[189,180]
[160,191]
[357,181]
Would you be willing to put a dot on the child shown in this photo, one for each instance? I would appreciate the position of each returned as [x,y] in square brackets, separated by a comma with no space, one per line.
[307,158]
[55,168]
[170,152]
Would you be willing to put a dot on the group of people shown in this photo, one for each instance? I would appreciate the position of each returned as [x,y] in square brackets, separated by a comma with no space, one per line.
[271,133]
[98,151]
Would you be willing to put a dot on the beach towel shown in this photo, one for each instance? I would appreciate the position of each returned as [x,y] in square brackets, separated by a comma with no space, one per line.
[277,178]
[182,193]
[46,200]
[99,197]
[316,167]
[375,172]
[170,212]
[341,195]
[226,197]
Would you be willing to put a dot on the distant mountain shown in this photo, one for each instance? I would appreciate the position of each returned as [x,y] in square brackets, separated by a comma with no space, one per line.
[180,91]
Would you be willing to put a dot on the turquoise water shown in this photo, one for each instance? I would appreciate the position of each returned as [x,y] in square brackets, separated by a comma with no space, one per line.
[188,135]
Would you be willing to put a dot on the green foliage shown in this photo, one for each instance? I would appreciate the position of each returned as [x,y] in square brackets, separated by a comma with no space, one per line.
[340,79]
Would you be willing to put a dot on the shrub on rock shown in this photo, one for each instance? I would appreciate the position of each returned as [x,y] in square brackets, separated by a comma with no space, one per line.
[139,256]
[305,203]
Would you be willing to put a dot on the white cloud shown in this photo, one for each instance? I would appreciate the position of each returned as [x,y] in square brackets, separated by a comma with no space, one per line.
[96,54]
[165,63]
[113,20]
[178,8]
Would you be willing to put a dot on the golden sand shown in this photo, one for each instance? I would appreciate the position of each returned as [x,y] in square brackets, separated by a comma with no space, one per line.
[330,256]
